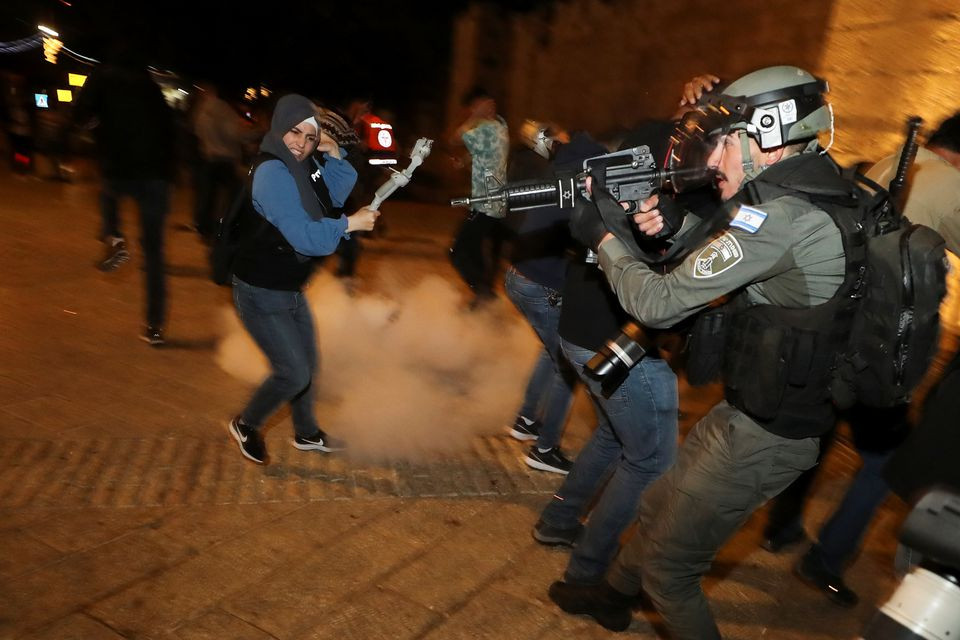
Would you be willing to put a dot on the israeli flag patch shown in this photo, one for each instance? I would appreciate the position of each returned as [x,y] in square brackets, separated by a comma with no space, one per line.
[748,219]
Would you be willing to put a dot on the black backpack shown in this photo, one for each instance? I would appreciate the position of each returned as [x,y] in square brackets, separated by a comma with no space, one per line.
[896,321]
[236,227]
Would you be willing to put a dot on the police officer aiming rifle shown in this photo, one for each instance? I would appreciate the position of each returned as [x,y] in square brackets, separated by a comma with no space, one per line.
[782,262]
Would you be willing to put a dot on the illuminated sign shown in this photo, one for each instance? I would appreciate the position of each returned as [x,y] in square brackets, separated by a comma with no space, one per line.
[64,95]
[378,134]
[76,79]
[42,100]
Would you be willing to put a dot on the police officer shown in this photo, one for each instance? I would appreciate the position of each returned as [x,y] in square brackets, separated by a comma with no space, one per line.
[781,261]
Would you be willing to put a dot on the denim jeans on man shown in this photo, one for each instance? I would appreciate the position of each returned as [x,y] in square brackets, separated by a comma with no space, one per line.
[841,535]
[550,388]
[635,441]
[153,202]
[281,325]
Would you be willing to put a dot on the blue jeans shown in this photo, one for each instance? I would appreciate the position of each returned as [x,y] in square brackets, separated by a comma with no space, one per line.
[635,441]
[153,202]
[550,388]
[281,325]
[840,536]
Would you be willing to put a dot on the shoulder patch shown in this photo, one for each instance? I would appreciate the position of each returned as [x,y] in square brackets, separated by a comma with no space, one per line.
[748,219]
[718,256]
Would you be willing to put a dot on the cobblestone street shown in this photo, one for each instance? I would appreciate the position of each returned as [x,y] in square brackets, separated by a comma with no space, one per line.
[127,512]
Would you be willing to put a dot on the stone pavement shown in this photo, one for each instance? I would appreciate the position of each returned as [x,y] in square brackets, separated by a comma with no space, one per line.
[125,511]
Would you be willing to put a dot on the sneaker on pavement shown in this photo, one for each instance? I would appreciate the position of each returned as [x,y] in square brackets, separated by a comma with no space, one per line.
[319,441]
[550,460]
[250,441]
[524,429]
[153,336]
[116,254]
[812,570]
[555,536]
[603,603]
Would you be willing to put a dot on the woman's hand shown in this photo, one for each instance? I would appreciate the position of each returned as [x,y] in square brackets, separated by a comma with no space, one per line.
[328,145]
[362,220]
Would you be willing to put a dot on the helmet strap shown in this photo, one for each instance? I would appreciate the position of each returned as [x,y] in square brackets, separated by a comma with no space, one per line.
[830,143]
[745,158]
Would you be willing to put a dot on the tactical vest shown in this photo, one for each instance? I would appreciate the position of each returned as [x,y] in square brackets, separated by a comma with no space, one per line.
[776,362]
[265,258]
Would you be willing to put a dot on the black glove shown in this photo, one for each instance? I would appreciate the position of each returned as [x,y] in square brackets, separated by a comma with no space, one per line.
[586,225]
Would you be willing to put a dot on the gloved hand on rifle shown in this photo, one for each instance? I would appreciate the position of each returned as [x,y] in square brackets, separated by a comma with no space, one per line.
[591,222]
[586,225]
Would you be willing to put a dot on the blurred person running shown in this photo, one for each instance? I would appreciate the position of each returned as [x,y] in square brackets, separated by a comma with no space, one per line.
[484,134]
[220,136]
[288,221]
[134,132]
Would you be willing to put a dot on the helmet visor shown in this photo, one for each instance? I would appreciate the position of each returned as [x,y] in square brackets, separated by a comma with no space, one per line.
[691,144]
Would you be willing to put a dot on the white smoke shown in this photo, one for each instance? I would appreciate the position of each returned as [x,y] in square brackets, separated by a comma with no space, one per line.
[405,376]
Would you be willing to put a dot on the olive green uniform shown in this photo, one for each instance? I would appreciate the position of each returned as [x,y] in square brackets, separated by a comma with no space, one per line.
[785,252]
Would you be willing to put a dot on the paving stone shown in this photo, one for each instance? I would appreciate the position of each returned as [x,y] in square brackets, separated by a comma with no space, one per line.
[72,530]
[374,614]
[233,566]
[363,553]
[217,625]
[24,553]
[76,627]
[76,580]
[494,615]
[442,578]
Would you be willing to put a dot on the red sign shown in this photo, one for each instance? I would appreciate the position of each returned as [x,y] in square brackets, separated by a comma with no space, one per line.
[377,133]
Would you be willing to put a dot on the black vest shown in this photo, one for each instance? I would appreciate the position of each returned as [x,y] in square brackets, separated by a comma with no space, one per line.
[265,258]
[778,362]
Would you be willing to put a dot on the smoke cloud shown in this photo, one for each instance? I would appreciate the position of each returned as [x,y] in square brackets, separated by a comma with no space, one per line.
[404,376]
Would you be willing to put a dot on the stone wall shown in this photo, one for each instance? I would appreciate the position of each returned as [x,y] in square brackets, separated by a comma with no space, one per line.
[604,65]
[886,61]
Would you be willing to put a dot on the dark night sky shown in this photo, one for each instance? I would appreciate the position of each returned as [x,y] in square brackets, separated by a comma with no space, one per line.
[390,51]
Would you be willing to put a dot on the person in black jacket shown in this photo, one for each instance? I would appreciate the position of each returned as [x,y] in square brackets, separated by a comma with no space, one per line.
[134,132]
[636,436]
[533,282]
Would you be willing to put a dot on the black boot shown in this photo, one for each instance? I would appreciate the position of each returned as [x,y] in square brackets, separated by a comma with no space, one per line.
[609,607]
[814,571]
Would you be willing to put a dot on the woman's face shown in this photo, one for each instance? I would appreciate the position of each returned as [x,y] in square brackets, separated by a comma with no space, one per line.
[301,140]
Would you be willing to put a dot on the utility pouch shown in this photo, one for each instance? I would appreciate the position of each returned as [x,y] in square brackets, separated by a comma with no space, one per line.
[706,347]
[757,367]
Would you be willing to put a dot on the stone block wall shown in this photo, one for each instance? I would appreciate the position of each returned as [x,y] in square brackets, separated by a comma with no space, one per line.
[602,65]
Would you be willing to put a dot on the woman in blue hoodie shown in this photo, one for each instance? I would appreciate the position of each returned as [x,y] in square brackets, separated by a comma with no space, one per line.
[287,222]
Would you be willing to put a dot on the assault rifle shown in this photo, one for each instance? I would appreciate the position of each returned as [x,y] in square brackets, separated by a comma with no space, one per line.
[630,175]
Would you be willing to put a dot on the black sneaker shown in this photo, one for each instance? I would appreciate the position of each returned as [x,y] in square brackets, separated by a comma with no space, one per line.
[812,570]
[555,536]
[603,603]
[320,441]
[550,460]
[153,336]
[116,254]
[250,441]
[522,430]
